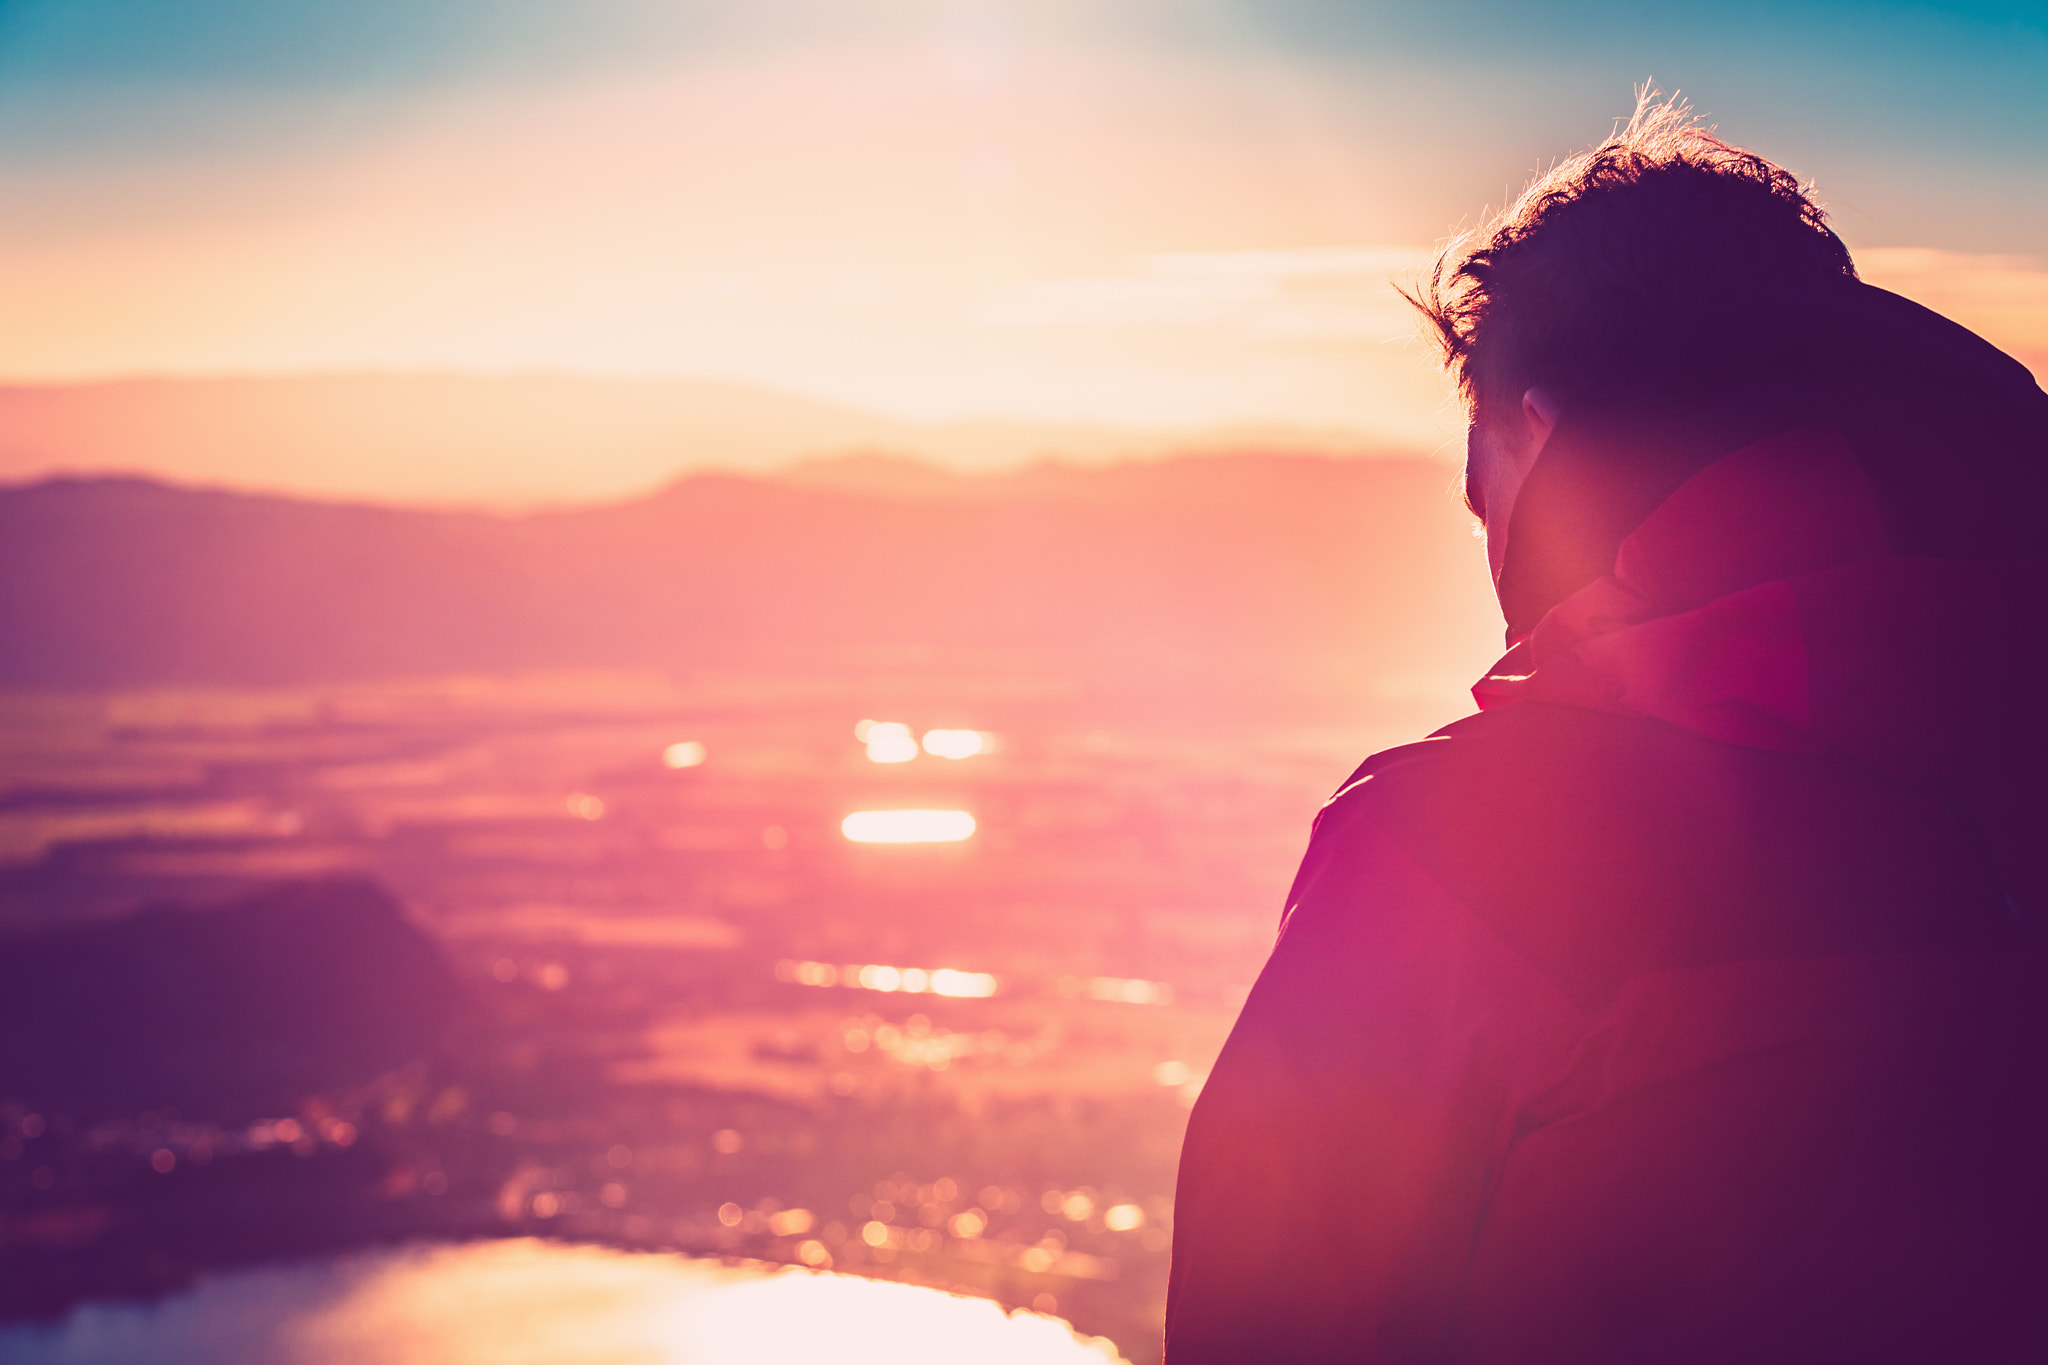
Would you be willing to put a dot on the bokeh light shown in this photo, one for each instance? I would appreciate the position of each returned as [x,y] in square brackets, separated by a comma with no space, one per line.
[1117,989]
[888,741]
[946,981]
[955,743]
[908,826]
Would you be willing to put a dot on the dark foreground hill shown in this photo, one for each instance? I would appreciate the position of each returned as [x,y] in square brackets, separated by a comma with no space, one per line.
[1220,571]
[245,1008]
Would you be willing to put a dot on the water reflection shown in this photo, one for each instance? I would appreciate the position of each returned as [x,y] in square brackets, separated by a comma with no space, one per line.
[949,981]
[526,1302]
[888,741]
[907,826]
[956,743]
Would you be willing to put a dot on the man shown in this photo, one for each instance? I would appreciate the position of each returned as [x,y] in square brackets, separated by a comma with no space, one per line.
[1688,1003]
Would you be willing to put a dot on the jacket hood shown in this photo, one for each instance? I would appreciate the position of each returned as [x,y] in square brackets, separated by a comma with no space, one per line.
[1862,575]
[1765,603]
[1950,432]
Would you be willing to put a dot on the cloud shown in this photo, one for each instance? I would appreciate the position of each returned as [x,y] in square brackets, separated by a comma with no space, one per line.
[1339,295]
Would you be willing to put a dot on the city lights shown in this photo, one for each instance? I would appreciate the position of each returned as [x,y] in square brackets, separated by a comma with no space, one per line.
[907,826]
[888,741]
[955,743]
[1117,989]
[791,1222]
[582,882]
[1178,1076]
[947,981]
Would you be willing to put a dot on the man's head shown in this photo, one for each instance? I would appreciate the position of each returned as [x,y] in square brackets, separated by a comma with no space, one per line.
[1631,273]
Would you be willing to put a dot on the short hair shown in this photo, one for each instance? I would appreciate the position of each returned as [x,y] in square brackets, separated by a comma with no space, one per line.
[1632,268]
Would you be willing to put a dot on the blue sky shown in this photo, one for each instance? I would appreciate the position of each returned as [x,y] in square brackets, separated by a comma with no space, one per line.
[1936,114]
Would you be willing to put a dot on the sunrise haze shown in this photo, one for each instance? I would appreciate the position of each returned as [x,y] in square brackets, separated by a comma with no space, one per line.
[1136,217]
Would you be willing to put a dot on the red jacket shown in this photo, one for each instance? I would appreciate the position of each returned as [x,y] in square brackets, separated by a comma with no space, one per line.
[1688,1002]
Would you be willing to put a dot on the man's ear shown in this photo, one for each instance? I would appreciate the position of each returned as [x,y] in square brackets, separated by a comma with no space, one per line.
[1539,410]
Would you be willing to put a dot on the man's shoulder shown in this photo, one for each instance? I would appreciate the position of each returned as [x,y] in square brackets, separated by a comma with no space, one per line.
[1600,844]
[1519,753]
[1531,793]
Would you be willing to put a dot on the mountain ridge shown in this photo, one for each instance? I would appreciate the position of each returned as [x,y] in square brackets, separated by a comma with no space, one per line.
[513,440]
[1258,569]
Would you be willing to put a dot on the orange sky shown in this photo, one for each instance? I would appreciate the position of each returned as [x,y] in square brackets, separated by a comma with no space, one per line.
[934,217]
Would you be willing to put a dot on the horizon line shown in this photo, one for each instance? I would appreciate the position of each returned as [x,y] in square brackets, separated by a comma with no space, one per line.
[779,473]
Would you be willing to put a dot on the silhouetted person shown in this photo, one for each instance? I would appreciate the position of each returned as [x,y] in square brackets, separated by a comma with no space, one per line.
[1687,1003]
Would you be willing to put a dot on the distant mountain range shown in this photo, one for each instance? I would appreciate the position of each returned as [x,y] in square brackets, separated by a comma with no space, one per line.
[1250,570]
[504,440]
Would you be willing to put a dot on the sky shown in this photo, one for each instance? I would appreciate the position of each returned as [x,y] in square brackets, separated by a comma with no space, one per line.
[1152,213]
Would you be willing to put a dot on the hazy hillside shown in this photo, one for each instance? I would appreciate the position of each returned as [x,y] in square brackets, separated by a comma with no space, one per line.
[491,440]
[1196,573]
